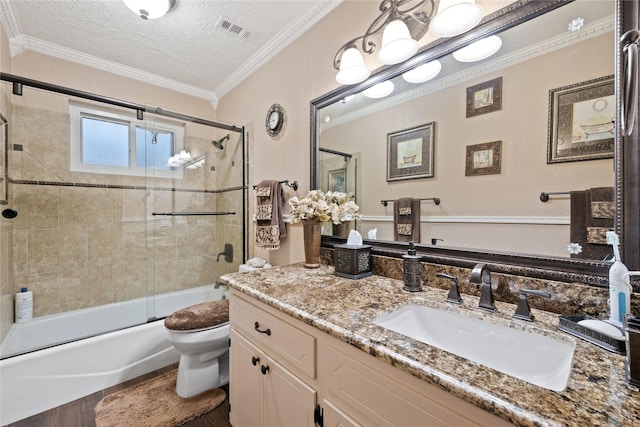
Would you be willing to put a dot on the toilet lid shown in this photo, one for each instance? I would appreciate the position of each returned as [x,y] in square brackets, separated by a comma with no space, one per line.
[199,316]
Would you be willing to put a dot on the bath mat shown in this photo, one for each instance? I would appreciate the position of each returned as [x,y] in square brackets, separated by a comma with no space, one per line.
[154,403]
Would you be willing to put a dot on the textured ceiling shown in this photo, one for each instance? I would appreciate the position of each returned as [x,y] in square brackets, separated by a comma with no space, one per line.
[185,50]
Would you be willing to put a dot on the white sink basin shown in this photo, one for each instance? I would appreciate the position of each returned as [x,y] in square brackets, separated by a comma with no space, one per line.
[535,358]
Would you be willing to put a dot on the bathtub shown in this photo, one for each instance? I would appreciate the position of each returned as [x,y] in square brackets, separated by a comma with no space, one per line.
[57,374]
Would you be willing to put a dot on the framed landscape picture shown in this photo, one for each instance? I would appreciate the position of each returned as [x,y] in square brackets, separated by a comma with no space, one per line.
[581,121]
[484,98]
[410,153]
[483,159]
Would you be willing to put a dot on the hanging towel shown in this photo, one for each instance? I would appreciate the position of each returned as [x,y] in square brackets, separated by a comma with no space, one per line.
[591,217]
[270,228]
[406,220]
[599,216]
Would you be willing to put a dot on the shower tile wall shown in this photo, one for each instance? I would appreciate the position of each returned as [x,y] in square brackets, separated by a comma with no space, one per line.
[81,246]
[6,251]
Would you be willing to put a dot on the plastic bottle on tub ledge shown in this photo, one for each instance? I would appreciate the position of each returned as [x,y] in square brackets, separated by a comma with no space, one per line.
[24,306]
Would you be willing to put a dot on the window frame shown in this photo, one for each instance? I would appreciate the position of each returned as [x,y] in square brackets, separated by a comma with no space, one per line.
[77,111]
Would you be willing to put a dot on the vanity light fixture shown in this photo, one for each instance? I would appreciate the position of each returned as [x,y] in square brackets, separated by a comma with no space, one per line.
[455,17]
[478,50]
[380,90]
[401,22]
[423,73]
[150,9]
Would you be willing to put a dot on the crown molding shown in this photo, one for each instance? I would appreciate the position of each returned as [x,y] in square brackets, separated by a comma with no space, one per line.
[51,49]
[19,43]
[277,44]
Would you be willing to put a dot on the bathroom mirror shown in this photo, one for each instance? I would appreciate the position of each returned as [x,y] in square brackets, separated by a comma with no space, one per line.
[499,196]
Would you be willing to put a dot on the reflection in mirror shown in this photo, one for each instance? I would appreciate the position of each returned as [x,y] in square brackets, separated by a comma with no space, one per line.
[490,199]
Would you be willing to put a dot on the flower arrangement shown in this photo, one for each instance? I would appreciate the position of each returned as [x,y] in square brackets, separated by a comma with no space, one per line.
[331,206]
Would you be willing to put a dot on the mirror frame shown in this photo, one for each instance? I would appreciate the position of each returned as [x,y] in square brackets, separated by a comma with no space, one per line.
[626,161]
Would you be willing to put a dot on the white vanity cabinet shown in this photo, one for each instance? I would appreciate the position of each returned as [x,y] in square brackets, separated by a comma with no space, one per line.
[287,373]
[264,353]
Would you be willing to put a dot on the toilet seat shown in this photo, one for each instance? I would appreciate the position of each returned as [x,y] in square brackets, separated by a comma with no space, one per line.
[199,317]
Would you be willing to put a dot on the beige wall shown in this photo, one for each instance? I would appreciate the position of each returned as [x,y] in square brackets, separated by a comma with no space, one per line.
[521,125]
[298,74]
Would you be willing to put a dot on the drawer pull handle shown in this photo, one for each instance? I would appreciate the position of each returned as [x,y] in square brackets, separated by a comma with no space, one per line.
[255,360]
[266,331]
[264,369]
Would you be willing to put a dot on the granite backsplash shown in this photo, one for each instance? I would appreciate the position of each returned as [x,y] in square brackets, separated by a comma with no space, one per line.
[566,298]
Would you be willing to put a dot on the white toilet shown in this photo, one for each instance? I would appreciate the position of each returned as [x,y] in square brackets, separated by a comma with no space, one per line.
[201,333]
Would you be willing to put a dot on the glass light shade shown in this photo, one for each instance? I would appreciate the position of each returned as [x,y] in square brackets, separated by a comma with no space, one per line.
[455,17]
[479,50]
[397,44]
[154,8]
[423,73]
[380,90]
[352,68]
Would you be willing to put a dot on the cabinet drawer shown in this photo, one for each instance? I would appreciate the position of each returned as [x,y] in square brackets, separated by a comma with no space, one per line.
[291,346]
[375,394]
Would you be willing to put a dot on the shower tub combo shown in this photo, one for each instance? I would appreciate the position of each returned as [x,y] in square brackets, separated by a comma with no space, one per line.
[57,374]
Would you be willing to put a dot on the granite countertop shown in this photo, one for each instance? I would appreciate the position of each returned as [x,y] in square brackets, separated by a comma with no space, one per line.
[597,393]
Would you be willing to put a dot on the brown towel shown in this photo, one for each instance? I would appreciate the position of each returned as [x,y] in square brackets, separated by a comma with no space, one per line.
[591,217]
[406,220]
[270,226]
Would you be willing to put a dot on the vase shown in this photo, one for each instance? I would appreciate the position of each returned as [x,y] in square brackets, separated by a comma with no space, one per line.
[342,229]
[312,231]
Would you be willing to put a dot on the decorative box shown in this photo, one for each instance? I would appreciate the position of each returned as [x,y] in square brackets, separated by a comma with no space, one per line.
[352,261]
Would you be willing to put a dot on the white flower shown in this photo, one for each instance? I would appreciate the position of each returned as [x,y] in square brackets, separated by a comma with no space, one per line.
[331,206]
[574,248]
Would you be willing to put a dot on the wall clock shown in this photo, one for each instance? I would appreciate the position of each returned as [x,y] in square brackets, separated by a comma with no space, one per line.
[276,121]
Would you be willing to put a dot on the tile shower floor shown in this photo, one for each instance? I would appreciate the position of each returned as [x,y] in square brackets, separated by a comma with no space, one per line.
[79,413]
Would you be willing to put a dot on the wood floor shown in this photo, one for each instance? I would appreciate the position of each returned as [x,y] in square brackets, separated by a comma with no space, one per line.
[79,413]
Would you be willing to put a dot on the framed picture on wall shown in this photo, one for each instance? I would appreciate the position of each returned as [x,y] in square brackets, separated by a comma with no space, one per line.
[581,121]
[483,159]
[410,153]
[4,157]
[484,98]
[338,180]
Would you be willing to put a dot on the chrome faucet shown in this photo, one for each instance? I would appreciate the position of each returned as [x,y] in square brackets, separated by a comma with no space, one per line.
[482,276]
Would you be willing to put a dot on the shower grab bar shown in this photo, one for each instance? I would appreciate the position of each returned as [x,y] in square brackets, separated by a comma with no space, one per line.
[436,201]
[293,185]
[191,213]
[544,197]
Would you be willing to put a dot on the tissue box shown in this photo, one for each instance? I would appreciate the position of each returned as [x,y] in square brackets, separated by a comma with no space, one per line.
[352,261]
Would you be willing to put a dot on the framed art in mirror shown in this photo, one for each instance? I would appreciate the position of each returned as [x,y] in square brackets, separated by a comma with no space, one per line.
[410,153]
[484,97]
[338,180]
[582,121]
[483,159]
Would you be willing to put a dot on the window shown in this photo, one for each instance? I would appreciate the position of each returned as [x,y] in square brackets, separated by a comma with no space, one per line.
[103,141]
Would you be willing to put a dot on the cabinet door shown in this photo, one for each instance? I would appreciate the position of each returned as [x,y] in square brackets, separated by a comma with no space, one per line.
[244,382]
[334,417]
[287,400]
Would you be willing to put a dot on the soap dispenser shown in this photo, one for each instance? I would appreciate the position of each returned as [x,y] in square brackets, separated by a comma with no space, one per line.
[412,270]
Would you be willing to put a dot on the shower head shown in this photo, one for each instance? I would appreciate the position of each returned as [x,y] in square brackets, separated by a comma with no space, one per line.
[218,143]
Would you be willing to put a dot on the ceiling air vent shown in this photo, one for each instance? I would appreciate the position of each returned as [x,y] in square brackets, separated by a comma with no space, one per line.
[235,30]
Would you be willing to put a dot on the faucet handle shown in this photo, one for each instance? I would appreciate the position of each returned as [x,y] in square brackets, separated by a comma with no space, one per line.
[454,293]
[523,312]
